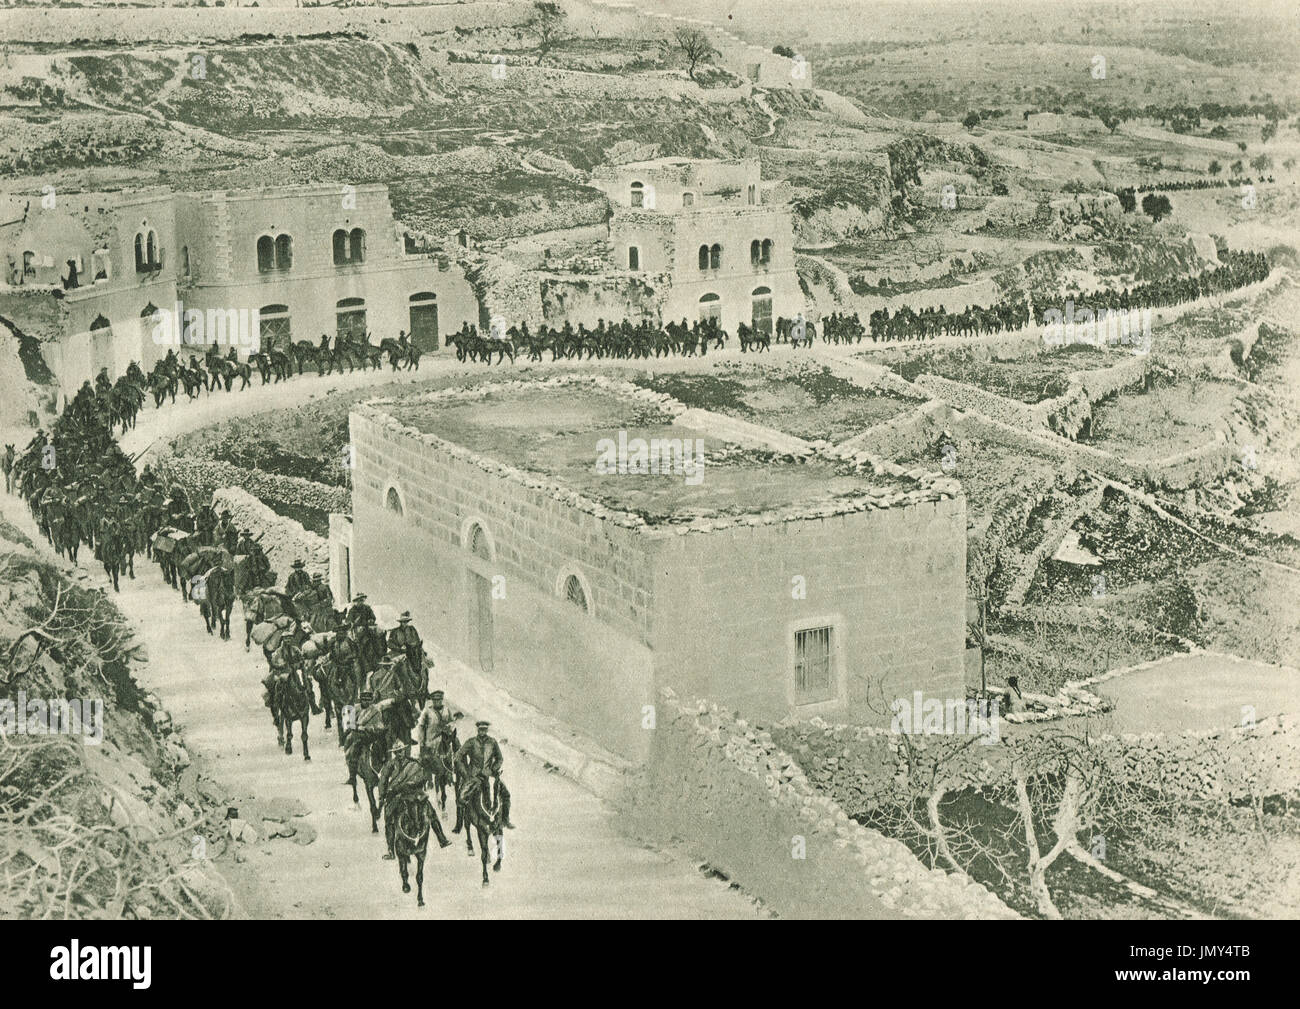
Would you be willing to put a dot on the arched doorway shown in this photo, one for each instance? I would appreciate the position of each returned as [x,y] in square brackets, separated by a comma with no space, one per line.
[273,327]
[711,308]
[350,319]
[761,314]
[424,321]
[101,346]
[480,599]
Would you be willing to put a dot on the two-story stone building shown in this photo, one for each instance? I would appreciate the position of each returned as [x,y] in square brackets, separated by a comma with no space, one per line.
[714,230]
[307,260]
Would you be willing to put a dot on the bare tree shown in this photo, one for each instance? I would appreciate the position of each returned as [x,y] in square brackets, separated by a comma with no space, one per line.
[693,46]
[547,21]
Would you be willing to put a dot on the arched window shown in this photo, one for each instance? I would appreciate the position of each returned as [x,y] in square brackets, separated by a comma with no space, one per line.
[394,501]
[704,257]
[755,251]
[357,246]
[139,254]
[766,256]
[688,199]
[715,257]
[480,545]
[633,258]
[340,247]
[574,593]
[265,254]
[752,194]
[152,250]
[283,252]
[638,194]
[185,260]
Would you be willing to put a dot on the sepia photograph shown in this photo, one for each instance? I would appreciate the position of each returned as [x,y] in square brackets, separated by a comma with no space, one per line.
[659,459]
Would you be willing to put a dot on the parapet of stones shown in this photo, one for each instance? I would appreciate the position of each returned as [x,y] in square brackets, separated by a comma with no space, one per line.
[900,487]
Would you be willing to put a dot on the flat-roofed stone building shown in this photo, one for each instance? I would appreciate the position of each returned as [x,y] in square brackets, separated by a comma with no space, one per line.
[774,582]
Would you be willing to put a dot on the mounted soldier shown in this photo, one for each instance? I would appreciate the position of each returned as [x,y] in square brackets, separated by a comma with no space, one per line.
[402,779]
[360,613]
[298,580]
[227,534]
[479,762]
[407,638]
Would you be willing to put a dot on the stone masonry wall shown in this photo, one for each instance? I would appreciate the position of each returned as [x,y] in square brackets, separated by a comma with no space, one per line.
[203,477]
[732,798]
[535,535]
[284,540]
[861,766]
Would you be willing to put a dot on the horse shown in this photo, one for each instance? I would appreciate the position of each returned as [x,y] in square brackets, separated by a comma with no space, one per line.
[411,824]
[218,599]
[444,774]
[339,689]
[365,754]
[485,819]
[291,701]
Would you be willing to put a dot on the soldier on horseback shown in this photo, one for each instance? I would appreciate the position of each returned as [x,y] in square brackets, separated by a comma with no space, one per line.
[407,639]
[298,579]
[402,780]
[227,534]
[479,761]
[360,613]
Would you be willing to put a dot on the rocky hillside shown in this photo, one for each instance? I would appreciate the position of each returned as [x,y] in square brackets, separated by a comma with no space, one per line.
[108,818]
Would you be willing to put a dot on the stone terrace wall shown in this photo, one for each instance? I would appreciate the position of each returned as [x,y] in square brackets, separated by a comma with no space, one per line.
[735,800]
[536,82]
[284,540]
[204,476]
[178,25]
[906,434]
[967,397]
[860,766]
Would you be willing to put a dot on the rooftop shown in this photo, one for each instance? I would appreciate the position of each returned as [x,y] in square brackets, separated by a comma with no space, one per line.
[559,434]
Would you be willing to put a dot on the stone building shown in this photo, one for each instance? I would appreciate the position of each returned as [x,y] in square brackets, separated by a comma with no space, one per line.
[713,231]
[298,261]
[770,586]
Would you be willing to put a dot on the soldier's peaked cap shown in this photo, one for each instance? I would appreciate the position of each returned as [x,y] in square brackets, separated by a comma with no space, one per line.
[482,723]
[405,617]
[299,563]
[436,694]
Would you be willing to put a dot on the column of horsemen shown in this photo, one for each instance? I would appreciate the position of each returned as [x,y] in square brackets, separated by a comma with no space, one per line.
[372,684]
[280,358]
[84,492]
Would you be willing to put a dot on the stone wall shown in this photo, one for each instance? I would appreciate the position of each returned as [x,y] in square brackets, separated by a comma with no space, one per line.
[907,434]
[177,25]
[968,397]
[733,799]
[203,477]
[861,766]
[283,540]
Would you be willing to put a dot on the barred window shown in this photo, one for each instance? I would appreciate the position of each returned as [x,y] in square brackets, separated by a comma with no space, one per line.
[812,660]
